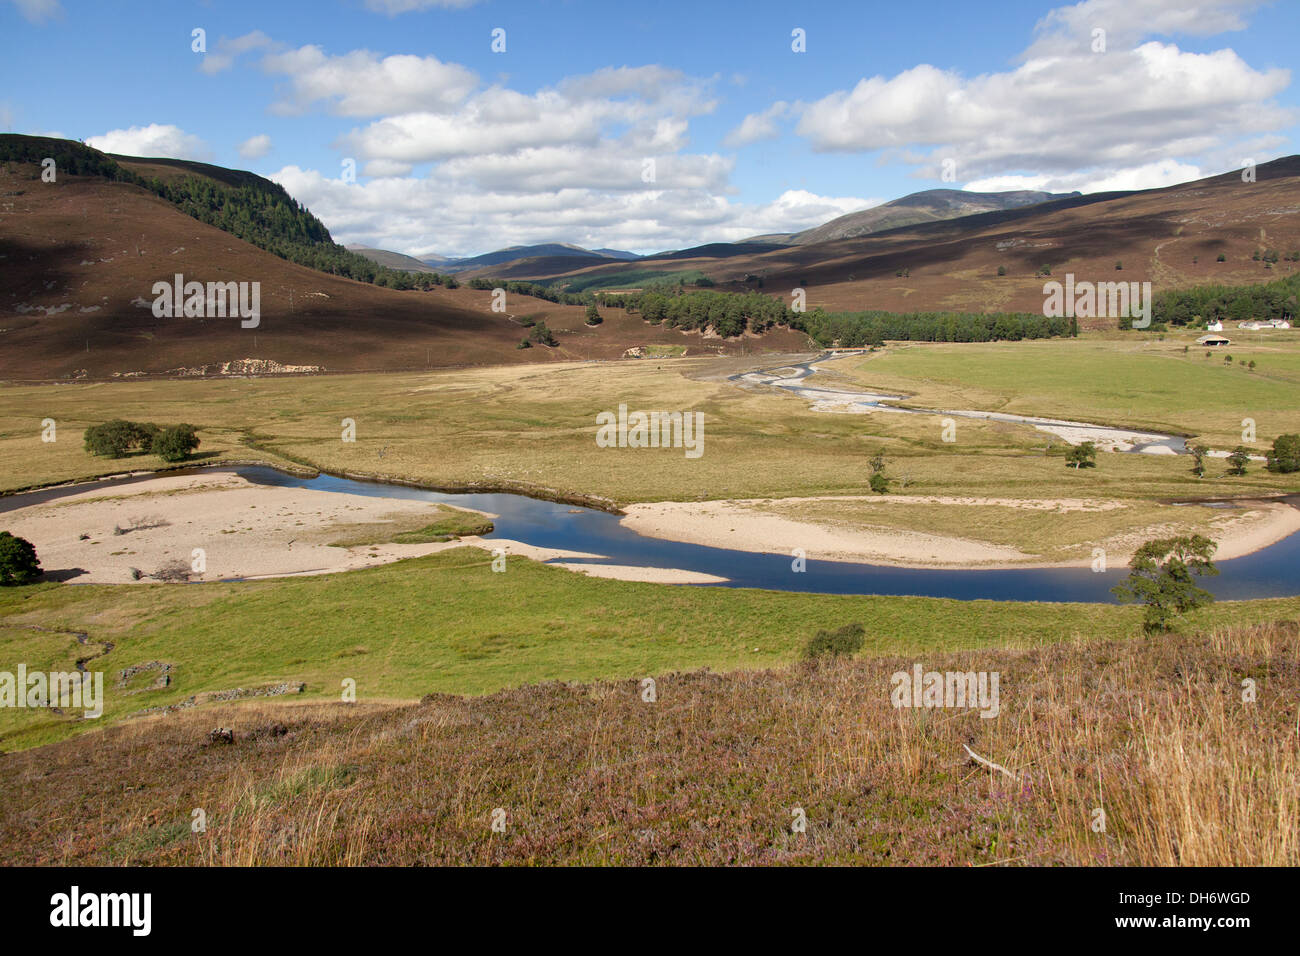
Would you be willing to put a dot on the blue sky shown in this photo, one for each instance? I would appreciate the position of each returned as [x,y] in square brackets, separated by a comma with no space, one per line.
[459,149]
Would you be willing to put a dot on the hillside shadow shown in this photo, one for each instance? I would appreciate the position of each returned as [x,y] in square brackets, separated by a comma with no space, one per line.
[32,270]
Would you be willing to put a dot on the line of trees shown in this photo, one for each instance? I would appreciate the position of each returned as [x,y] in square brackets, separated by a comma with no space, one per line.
[1268,300]
[728,313]
[535,289]
[857,329]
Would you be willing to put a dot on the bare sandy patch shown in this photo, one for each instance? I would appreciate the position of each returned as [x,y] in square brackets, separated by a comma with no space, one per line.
[244,530]
[745,525]
[628,572]
[252,532]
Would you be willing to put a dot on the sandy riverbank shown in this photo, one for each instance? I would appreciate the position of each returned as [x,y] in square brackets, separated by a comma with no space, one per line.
[245,530]
[744,525]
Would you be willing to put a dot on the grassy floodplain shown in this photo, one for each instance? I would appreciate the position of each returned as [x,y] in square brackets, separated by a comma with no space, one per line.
[447,624]
[444,623]
[533,428]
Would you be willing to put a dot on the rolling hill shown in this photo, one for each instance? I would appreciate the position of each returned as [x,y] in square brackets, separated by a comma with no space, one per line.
[80,256]
[1171,237]
[395,260]
[931,205]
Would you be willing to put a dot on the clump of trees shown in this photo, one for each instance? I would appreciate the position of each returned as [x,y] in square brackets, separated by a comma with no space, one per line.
[542,335]
[840,642]
[119,437]
[1284,457]
[727,313]
[18,561]
[1162,576]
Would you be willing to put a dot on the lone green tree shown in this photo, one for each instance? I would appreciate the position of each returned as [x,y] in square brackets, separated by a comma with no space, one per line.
[18,561]
[593,315]
[1083,455]
[176,443]
[1162,576]
[1238,460]
[878,482]
[1198,460]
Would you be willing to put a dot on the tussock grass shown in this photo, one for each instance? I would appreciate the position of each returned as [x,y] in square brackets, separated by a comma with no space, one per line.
[447,623]
[1153,732]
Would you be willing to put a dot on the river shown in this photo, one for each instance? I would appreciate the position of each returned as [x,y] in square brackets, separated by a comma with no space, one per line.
[1270,572]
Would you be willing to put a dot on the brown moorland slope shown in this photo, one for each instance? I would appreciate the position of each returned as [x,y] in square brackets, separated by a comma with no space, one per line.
[79,257]
[711,772]
[1170,237]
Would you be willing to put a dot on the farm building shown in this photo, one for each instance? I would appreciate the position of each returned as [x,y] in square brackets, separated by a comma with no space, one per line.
[1212,340]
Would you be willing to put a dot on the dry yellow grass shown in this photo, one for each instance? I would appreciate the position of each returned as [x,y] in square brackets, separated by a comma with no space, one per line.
[1155,734]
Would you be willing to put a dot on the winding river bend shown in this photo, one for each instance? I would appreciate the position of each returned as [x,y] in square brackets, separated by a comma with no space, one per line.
[1271,572]
[793,377]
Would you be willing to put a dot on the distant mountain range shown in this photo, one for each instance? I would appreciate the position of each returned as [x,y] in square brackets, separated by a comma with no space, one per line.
[510,254]
[930,205]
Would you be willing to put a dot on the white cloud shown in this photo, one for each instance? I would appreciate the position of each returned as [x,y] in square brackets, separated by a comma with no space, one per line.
[439,214]
[228,51]
[255,147]
[758,126]
[154,140]
[1167,172]
[1070,29]
[38,11]
[1065,108]
[588,111]
[361,83]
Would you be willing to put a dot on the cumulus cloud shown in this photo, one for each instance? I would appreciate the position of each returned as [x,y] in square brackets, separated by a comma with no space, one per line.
[1127,22]
[1167,172]
[38,11]
[434,214]
[228,51]
[1129,108]
[154,140]
[362,83]
[255,147]
[758,126]
[644,109]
